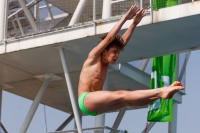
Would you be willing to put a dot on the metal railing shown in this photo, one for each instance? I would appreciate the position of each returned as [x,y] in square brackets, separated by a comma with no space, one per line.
[48,15]
[104,129]
[39,16]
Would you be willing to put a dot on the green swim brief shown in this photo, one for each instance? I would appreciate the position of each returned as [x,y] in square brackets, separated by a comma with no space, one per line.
[81,105]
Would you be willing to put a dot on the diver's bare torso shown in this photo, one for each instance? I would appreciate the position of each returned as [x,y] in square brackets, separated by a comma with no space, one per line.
[92,75]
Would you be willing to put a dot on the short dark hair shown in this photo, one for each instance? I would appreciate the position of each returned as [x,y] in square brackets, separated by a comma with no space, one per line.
[117,42]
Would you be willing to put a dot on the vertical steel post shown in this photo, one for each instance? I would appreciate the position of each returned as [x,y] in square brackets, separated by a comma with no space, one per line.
[28,15]
[35,104]
[100,119]
[94,10]
[151,10]
[172,128]
[78,12]
[173,124]
[141,4]
[75,126]
[70,89]
[36,11]
[107,9]
[2,19]
[6,22]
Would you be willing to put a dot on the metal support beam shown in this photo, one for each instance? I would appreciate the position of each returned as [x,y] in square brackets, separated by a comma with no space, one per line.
[35,104]
[2,19]
[3,128]
[177,68]
[6,22]
[172,127]
[144,64]
[150,125]
[70,89]
[50,12]
[65,123]
[99,122]
[36,11]
[173,124]
[100,119]
[94,10]
[184,66]
[141,4]
[133,73]
[19,25]
[18,11]
[13,23]
[151,10]
[75,125]
[78,12]
[107,9]
[28,15]
[119,118]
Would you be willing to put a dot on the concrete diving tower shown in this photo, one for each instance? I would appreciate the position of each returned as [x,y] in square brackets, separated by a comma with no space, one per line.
[51,57]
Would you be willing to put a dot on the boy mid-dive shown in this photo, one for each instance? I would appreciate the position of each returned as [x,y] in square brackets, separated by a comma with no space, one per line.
[92,99]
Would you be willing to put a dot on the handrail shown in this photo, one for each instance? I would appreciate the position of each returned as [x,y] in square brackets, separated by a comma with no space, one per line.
[75,130]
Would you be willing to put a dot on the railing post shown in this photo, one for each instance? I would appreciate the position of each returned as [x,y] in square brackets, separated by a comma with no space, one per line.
[77,12]
[141,4]
[94,10]
[151,10]
[107,9]
[3,22]
[2,19]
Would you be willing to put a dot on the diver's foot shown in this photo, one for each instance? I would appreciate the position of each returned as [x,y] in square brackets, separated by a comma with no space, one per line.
[176,83]
[168,92]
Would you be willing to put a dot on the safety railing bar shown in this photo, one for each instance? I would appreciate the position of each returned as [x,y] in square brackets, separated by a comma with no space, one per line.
[29,5]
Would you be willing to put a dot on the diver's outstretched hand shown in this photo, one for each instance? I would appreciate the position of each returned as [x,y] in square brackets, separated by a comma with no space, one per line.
[132,12]
[138,16]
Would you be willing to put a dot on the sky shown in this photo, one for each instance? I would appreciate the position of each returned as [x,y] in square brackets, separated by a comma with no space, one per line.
[15,108]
